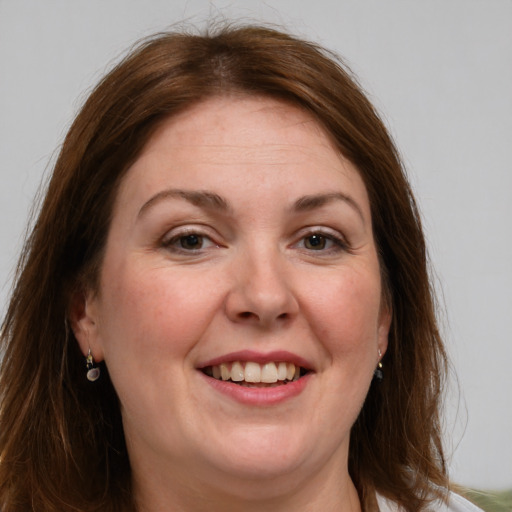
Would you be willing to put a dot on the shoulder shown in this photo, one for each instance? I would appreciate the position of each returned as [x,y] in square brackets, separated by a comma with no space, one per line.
[455,503]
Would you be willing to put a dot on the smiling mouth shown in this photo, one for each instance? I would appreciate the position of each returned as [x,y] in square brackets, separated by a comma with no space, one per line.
[252,374]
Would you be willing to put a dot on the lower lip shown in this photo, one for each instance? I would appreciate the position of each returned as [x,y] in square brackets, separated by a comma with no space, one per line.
[259,396]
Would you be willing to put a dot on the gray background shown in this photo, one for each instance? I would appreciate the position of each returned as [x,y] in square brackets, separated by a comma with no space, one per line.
[440,71]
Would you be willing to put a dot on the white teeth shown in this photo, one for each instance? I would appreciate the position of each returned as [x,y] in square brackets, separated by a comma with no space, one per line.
[281,371]
[254,373]
[224,372]
[290,371]
[268,373]
[237,372]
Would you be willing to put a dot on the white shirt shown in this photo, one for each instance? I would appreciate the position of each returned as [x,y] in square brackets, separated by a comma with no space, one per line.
[456,503]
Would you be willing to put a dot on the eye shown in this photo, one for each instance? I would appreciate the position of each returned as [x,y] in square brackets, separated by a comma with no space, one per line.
[191,242]
[315,242]
[322,242]
[188,242]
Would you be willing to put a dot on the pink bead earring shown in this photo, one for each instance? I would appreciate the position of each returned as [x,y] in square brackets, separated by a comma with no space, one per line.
[93,373]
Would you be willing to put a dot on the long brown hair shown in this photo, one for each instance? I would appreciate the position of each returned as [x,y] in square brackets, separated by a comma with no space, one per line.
[61,438]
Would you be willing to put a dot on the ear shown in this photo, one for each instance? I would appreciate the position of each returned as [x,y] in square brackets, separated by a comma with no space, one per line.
[84,320]
[385,316]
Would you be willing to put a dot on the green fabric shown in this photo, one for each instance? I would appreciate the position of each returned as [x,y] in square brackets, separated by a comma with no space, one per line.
[491,501]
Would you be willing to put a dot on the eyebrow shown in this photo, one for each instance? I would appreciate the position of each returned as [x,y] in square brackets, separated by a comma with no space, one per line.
[200,198]
[315,201]
[205,199]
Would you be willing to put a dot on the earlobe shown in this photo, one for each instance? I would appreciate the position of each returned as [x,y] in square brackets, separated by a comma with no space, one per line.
[84,323]
[382,342]
[383,331]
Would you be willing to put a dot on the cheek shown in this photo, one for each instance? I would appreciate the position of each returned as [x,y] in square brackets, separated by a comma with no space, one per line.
[151,312]
[150,324]
[346,315]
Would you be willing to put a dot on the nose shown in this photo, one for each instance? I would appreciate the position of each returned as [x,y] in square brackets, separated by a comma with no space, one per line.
[261,293]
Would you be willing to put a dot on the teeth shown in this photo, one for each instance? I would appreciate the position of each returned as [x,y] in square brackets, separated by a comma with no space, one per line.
[290,371]
[281,371]
[237,372]
[251,372]
[224,372]
[268,373]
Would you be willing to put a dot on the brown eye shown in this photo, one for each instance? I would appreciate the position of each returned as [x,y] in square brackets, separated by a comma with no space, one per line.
[315,242]
[188,243]
[191,242]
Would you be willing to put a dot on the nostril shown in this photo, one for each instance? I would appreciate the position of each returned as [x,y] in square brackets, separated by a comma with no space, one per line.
[245,315]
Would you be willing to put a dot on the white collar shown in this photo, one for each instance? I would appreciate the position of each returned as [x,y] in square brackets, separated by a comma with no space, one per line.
[456,503]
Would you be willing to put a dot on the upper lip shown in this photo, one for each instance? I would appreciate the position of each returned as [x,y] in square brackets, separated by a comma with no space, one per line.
[258,357]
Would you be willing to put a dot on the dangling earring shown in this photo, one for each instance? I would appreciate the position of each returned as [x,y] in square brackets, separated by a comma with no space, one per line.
[93,373]
[378,371]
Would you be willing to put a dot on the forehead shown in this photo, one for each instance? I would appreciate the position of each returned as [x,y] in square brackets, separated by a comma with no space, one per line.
[240,124]
[223,138]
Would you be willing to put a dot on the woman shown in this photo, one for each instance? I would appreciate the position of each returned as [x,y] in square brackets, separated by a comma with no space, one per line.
[224,303]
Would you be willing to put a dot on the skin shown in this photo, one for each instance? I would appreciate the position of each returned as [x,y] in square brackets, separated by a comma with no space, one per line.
[255,280]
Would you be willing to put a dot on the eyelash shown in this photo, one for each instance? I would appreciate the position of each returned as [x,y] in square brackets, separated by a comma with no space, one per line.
[338,243]
[171,244]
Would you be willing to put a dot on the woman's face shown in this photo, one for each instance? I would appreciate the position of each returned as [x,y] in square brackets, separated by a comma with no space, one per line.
[240,251]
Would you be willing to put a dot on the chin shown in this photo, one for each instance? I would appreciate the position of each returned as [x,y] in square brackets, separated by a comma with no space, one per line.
[258,460]
[264,478]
